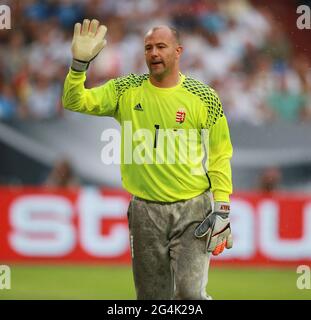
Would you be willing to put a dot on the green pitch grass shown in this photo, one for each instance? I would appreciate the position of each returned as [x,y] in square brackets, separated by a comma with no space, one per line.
[116,283]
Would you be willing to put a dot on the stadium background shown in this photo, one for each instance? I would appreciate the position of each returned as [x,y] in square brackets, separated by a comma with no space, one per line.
[62,212]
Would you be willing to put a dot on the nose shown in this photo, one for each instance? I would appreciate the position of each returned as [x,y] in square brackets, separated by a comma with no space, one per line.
[154,52]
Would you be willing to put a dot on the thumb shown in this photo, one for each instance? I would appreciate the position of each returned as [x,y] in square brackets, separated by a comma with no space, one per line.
[98,48]
[229,242]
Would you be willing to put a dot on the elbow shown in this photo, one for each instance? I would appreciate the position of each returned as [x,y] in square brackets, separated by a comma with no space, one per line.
[71,102]
[65,103]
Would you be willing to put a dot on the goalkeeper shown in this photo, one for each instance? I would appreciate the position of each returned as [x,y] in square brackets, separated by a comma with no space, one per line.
[179,212]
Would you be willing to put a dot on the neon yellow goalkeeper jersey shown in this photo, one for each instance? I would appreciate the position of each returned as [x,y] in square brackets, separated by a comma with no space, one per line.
[175,141]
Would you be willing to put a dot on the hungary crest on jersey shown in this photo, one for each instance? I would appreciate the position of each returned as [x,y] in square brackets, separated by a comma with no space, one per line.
[180,115]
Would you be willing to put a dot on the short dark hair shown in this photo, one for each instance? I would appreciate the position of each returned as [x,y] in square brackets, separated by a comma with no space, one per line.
[176,34]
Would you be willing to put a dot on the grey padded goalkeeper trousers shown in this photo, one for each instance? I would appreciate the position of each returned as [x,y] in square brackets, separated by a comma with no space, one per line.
[168,261]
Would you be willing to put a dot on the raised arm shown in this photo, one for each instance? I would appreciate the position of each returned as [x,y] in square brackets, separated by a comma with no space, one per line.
[88,41]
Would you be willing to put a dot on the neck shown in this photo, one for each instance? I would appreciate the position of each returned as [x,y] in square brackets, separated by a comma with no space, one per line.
[165,81]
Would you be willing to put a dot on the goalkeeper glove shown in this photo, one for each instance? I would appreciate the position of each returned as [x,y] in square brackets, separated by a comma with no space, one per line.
[87,42]
[216,227]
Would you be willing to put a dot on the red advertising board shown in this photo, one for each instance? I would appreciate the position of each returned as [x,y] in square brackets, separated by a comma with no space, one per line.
[89,225]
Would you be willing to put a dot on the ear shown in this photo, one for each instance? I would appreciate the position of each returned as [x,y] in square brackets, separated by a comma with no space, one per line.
[179,51]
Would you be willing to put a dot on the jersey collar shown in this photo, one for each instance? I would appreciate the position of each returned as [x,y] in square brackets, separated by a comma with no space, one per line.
[166,90]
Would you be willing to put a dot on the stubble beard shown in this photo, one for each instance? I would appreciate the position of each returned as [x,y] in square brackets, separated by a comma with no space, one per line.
[159,75]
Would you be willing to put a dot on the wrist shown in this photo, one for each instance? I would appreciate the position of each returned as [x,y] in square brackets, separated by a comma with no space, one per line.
[222,207]
[79,66]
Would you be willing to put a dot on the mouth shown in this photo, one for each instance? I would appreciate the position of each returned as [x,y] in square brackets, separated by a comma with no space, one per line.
[156,63]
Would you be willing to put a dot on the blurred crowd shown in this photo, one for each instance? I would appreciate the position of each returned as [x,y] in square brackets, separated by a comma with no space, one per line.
[237,48]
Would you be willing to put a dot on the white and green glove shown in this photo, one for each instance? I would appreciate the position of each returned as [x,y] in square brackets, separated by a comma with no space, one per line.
[216,227]
[88,40]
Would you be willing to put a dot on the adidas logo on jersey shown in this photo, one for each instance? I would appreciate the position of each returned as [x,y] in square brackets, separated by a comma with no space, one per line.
[138,107]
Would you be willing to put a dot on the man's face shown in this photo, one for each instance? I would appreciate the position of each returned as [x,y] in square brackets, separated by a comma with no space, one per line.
[162,52]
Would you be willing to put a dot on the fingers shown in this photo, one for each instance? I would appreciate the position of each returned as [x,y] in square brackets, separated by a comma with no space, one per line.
[219,248]
[229,241]
[93,27]
[85,27]
[90,28]
[101,32]
[225,243]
